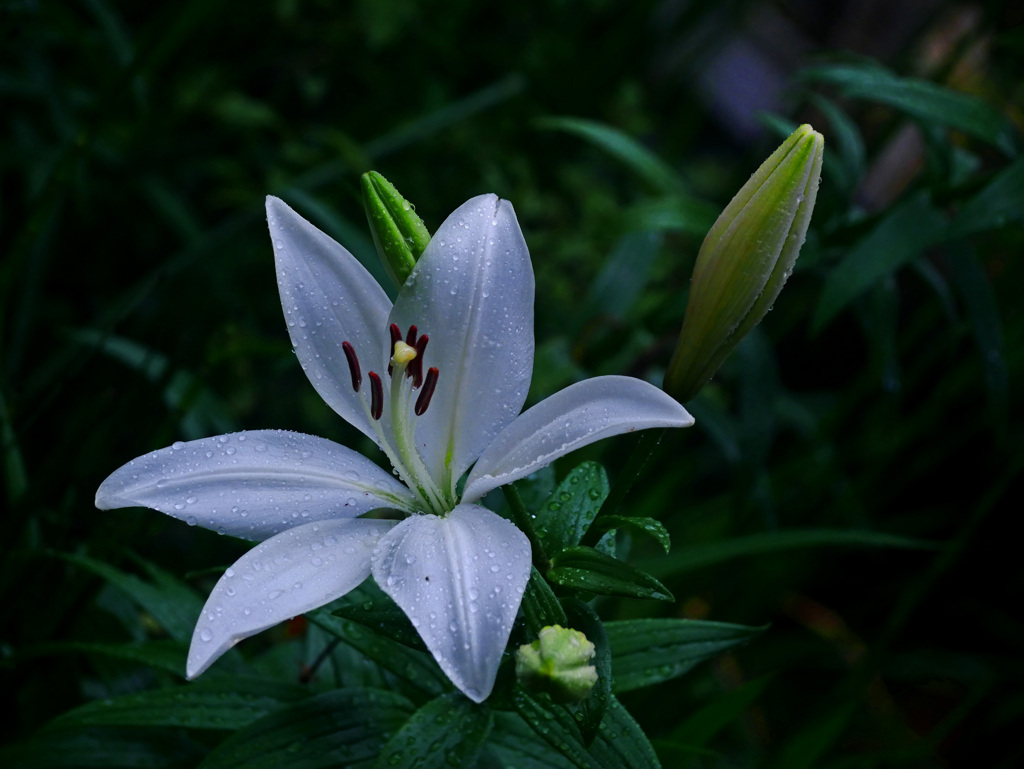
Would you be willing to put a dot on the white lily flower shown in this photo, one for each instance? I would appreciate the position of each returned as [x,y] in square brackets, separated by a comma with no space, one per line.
[455,568]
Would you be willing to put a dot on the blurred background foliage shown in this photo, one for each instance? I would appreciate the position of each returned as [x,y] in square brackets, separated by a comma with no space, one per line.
[853,467]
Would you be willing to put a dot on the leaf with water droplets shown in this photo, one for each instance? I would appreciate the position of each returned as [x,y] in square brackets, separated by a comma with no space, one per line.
[225,704]
[371,607]
[586,569]
[448,731]
[646,525]
[590,712]
[569,511]
[540,606]
[342,727]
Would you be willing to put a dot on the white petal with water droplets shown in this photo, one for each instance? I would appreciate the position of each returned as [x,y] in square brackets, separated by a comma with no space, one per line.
[254,484]
[472,293]
[460,580]
[328,298]
[295,572]
[576,416]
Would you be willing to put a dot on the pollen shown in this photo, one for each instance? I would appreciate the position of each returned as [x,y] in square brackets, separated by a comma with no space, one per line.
[403,354]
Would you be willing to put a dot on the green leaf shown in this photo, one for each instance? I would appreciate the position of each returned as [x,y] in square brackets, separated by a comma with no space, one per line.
[447,731]
[342,727]
[173,604]
[700,727]
[372,607]
[620,744]
[847,139]
[714,553]
[103,747]
[672,213]
[921,99]
[901,235]
[623,276]
[590,712]
[583,568]
[540,607]
[555,725]
[570,509]
[649,651]
[649,526]
[163,655]
[416,669]
[644,163]
[227,703]
[517,746]
[998,203]
[972,283]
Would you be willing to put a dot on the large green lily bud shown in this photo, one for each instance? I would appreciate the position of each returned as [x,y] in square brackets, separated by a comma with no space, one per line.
[398,232]
[558,664]
[745,260]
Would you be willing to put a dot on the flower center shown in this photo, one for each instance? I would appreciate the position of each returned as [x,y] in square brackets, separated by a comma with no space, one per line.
[405,375]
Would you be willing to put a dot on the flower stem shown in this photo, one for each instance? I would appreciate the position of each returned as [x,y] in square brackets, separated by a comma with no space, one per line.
[522,518]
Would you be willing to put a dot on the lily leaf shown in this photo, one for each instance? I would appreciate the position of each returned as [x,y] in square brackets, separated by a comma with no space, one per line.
[645,525]
[571,508]
[649,651]
[342,727]
[447,731]
[584,568]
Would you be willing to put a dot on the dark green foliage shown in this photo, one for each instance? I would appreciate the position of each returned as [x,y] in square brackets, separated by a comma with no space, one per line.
[849,482]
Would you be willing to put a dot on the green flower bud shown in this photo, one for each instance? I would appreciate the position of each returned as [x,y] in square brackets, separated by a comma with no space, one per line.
[745,260]
[557,663]
[398,232]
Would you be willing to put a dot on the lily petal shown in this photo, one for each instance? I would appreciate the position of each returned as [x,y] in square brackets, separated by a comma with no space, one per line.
[254,484]
[328,298]
[460,580]
[295,572]
[472,293]
[580,414]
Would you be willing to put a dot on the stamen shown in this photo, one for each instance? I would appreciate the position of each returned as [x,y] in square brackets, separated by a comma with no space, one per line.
[396,336]
[415,369]
[429,384]
[410,337]
[353,365]
[376,395]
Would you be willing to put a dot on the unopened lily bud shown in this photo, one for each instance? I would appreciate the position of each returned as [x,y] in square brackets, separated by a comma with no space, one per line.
[745,260]
[558,664]
[398,232]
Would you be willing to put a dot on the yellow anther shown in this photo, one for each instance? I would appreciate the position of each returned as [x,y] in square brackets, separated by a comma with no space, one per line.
[403,354]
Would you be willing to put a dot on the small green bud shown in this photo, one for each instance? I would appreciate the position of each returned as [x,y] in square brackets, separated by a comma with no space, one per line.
[398,232]
[745,259]
[557,663]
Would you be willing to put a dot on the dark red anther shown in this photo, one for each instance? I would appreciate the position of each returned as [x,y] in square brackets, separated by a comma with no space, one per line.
[415,369]
[429,385]
[396,336]
[353,365]
[410,337]
[376,395]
